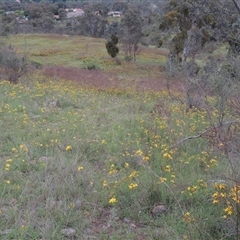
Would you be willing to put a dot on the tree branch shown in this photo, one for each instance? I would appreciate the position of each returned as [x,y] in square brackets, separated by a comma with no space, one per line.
[202,133]
[236,5]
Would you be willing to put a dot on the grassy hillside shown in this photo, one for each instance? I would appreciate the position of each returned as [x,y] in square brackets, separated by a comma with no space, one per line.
[72,51]
[84,162]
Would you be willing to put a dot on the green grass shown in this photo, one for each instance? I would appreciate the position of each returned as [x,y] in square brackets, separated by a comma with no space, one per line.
[99,161]
[73,51]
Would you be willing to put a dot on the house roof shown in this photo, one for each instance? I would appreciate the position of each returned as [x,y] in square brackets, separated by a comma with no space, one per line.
[76,12]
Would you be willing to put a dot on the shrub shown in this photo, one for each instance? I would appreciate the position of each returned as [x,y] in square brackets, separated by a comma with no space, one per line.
[128,58]
[111,47]
[12,65]
[91,64]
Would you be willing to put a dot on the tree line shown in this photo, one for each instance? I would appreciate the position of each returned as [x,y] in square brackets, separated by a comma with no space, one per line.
[137,25]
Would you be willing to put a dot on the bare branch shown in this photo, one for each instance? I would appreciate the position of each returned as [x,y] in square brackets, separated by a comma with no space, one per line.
[236,5]
[202,133]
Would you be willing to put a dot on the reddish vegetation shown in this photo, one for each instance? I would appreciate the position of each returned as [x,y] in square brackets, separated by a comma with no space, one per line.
[91,78]
[104,80]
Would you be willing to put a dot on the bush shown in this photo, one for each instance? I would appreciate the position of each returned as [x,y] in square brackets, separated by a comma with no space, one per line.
[12,65]
[91,64]
[111,47]
[128,58]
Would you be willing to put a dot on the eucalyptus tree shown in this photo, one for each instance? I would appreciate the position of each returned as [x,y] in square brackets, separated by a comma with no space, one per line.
[131,34]
[211,79]
[201,26]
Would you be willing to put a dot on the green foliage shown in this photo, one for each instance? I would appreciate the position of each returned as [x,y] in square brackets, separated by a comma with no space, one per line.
[128,58]
[213,22]
[178,42]
[90,24]
[131,33]
[91,64]
[171,17]
[112,49]
[160,43]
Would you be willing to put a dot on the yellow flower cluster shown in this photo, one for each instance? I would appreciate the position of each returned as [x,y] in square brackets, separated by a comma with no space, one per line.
[133,185]
[228,197]
[105,184]
[192,190]
[188,218]
[113,170]
[234,194]
[23,148]
[162,179]
[167,168]
[144,157]
[207,160]
[133,174]
[167,156]
[228,211]
[8,164]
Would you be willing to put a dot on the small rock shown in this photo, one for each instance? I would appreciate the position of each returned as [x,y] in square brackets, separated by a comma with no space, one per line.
[68,232]
[159,210]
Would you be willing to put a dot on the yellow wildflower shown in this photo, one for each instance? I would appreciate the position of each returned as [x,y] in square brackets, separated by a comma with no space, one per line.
[14,150]
[105,184]
[139,152]
[7,165]
[23,148]
[220,186]
[146,158]
[162,179]
[126,165]
[167,156]
[68,148]
[213,161]
[112,200]
[192,189]
[228,210]
[167,168]
[112,170]
[133,174]
[132,185]
[187,217]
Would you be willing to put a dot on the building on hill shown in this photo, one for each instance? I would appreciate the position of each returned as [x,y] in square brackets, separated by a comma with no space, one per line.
[22,20]
[76,12]
[114,14]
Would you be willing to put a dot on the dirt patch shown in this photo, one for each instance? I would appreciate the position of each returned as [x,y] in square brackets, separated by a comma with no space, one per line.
[103,80]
